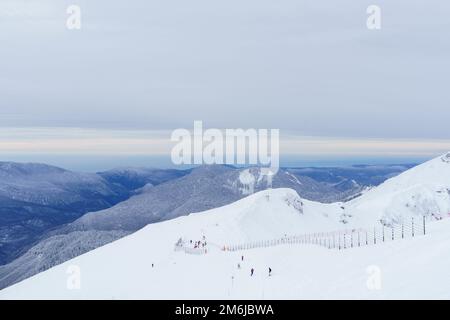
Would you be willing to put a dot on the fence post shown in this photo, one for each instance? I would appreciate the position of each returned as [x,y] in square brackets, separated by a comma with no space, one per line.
[412,222]
[375,235]
[403,230]
[351,240]
[393,236]
[359,239]
[424,228]
[383,232]
[345,242]
[367,241]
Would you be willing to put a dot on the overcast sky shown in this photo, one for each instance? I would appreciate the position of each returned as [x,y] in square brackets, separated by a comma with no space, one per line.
[309,68]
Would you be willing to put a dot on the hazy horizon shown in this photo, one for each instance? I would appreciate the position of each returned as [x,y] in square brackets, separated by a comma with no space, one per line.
[133,74]
[89,163]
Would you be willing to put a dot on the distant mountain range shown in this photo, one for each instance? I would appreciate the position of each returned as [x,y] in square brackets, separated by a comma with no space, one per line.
[35,198]
[49,215]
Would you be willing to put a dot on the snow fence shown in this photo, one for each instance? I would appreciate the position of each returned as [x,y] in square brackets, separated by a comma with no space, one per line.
[345,239]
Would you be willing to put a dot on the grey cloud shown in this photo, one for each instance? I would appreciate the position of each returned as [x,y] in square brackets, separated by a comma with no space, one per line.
[308,66]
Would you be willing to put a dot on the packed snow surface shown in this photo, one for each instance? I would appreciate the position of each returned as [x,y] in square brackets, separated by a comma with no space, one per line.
[413,268]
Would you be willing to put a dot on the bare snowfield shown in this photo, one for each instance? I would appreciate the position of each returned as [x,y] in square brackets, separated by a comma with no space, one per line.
[410,268]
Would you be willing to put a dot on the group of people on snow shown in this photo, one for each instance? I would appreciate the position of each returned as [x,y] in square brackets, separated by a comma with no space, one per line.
[198,244]
[252,270]
[192,244]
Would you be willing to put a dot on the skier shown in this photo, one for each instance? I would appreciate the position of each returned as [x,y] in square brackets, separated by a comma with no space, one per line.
[270,271]
[242,258]
[153,265]
[239,266]
[251,272]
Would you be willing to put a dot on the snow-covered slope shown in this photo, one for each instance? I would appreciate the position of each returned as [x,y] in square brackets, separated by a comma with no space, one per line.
[267,214]
[123,269]
[422,190]
[203,188]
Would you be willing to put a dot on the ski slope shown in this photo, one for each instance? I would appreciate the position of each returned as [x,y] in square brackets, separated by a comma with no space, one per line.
[404,269]
[415,268]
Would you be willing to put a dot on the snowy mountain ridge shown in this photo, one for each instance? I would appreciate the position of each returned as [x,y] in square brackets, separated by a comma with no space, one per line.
[190,191]
[420,191]
[144,265]
[264,215]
